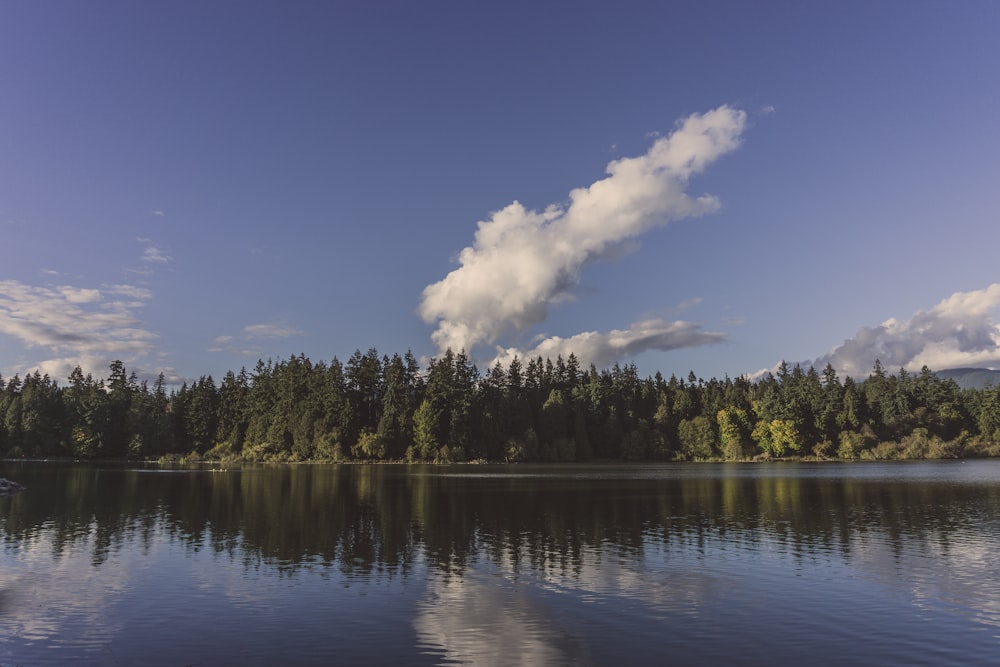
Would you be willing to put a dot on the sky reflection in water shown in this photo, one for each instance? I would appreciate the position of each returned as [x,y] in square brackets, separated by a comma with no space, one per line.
[432,565]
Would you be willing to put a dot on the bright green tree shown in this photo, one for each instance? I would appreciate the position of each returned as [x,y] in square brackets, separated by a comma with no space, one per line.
[777,436]
[734,432]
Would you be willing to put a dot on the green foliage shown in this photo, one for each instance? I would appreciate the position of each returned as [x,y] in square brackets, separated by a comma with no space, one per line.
[223,452]
[265,452]
[638,444]
[523,448]
[136,447]
[515,451]
[854,443]
[425,428]
[734,432]
[378,407]
[554,423]
[86,443]
[328,448]
[697,438]
[824,450]
[370,446]
[988,414]
[777,436]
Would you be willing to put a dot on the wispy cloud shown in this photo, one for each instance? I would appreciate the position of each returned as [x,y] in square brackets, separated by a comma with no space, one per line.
[129,291]
[155,255]
[523,261]
[243,344]
[77,326]
[79,294]
[690,303]
[270,331]
[603,349]
[959,331]
[159,213]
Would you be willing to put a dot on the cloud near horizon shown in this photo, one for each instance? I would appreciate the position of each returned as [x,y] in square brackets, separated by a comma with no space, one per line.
[79,326]
[243,345]
[603,349]
[960,331]
[523,261]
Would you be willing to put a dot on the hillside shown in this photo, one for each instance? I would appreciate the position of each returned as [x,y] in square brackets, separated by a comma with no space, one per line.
[971,378]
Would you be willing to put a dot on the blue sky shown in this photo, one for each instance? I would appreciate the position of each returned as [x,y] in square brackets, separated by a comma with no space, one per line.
[707,186]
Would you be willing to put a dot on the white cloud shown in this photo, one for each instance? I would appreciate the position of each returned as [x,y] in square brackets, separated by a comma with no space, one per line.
[155,255]
[524,628]
[522,261]
[959,331]
[50,583]
[129,291]
[269,331]
[603,349]
[79,294]
[78,326]
[454,611]
[159,214]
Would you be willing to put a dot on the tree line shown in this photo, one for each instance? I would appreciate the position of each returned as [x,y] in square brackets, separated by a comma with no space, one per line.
[380,408]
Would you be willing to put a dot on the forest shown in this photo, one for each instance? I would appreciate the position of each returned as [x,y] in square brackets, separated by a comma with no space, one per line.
[380,408]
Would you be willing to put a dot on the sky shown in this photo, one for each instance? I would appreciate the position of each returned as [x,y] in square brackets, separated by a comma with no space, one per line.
[700,186]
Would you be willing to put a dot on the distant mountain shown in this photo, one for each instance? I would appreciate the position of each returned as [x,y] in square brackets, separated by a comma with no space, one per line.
[971,378]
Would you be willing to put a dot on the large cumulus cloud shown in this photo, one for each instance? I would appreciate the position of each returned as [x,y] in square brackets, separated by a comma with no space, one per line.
[960,331]
[523,261]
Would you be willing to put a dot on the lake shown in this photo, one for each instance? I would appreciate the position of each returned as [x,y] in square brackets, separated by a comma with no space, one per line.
[693,564]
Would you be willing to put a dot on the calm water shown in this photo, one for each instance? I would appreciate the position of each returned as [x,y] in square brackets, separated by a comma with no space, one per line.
[781,564]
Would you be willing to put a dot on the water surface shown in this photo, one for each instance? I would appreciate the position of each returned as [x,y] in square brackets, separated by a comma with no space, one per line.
[736,564]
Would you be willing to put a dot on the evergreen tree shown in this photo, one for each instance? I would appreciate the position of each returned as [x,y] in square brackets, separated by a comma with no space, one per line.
[200,421]
[234,408]
[86,409]
[395,426]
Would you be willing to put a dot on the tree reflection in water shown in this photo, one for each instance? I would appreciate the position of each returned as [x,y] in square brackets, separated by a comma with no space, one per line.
[372,520]
[531,563]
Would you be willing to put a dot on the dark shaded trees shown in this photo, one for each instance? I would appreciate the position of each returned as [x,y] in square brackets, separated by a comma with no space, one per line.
[388,408]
